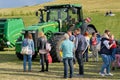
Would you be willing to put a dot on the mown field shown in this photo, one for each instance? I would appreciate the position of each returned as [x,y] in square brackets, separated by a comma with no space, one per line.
[11,69]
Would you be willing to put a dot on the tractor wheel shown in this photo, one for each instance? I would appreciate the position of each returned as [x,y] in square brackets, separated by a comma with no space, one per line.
[91,29]
[55,43]
[20,56]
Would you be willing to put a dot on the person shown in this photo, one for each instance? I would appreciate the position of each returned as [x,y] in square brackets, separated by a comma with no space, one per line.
[106,33]
[67,47]
[116,63]
[80,47]
[107,13]
[113,49]
[28,41]
[87,38]
[94,46]
[42,40]
[105,53]
[72,38]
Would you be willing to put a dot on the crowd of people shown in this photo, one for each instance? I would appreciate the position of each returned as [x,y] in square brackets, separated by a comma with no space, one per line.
[75,48]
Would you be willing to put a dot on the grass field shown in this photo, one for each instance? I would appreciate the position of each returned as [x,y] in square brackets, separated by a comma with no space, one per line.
[91,8]
[100,21]
[11,69]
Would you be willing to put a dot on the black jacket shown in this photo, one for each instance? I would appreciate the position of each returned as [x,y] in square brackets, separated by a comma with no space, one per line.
[41,43]
[104,49]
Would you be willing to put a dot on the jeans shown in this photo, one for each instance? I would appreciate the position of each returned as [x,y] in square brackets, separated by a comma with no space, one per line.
[79,57]
[43,58]
[25,59]
[68,61]
[106,63]
[85,55]
[74,58]
[113,54]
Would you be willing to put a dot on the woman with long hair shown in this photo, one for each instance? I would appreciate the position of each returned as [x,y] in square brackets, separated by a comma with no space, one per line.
[42,40]
[28,41]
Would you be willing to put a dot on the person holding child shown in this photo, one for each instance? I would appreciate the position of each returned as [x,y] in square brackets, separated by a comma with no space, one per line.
[105,53]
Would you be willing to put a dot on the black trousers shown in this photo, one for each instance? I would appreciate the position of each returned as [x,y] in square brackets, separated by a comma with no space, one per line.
[43,58]
[79,57]
[85,55]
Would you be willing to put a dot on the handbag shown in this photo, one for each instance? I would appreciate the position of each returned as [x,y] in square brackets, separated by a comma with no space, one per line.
[25,50]
[42,51]
[48,46]
[49,58]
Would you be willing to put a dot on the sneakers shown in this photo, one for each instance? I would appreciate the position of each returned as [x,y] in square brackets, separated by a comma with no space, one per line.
[109,74]
[102,74]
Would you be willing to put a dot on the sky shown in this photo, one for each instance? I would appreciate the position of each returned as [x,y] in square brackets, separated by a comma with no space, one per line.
[20,3]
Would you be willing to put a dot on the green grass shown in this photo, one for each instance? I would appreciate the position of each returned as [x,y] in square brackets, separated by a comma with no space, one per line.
[91,8]
[11,69]
[100,21]
[106,22]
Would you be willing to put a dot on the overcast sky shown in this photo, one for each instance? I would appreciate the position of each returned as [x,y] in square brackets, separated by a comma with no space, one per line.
[20,3]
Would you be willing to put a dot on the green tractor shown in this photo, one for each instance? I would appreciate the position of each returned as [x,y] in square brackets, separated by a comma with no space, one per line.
[10,30]
[54,21]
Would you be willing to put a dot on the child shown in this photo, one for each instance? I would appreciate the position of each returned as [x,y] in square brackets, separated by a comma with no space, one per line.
[113,49]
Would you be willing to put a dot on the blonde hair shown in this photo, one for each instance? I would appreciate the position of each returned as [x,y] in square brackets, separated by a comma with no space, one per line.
[66,36]
[41,34]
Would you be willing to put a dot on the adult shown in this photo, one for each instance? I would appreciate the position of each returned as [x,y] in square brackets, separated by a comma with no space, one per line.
[42,40]
[28,41]
[67,48]
[106,54]
[72,38]
[87,38]
[80,47]
[106,34]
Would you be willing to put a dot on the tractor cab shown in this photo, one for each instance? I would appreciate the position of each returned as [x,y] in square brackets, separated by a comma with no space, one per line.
[66,15]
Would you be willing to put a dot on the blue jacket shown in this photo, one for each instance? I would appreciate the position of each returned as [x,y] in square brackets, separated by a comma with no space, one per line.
[29,43]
